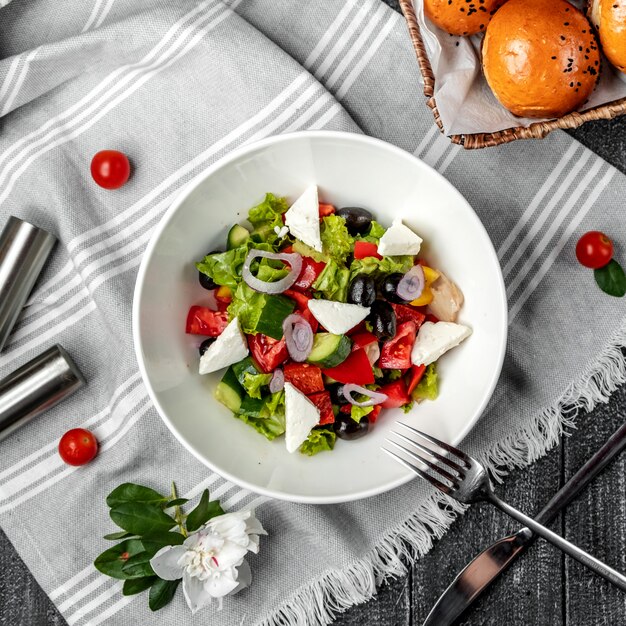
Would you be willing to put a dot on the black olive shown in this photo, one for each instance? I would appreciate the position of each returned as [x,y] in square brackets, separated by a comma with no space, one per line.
[358,220]
[206,281]
[347,428]
[362,290]
[383,319]
[204,346]
[336,394]
[389,288]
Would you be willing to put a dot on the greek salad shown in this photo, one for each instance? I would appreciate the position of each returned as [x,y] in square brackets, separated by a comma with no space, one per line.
[322,318]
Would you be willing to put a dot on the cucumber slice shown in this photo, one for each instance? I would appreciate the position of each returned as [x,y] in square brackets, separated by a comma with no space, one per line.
[245,365]
[274,312]
[251,407]
[329,350]
[237,236]
[229,392]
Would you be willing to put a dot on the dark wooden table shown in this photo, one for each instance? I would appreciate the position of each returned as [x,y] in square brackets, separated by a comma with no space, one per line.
[542,589]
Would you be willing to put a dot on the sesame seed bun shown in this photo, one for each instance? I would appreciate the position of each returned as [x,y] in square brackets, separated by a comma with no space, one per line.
[609,18]
[541,59]
[461,17]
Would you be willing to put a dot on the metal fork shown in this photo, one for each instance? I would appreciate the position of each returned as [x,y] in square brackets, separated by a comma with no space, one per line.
[467,481]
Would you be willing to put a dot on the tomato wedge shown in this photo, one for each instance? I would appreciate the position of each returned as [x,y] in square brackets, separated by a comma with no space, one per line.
[202,321]
[311,269]
[326,209]
[396,353]
[355,369]
[405,313]
[397,394]
[417,371]
[323,402]
[305,377]
[363,249]
[269,353]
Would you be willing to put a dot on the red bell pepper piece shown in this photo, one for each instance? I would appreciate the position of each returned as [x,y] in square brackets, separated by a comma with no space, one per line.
[364,249]
[302,305]
[202,321]
[323,402]
[396,353]
[326,209]
[355,369]
[223,297]
[405,313]
[305,377]
[397,394]
[417,371]
[269,353]
[345,408]
[362,339]
[311,269]
[373,416]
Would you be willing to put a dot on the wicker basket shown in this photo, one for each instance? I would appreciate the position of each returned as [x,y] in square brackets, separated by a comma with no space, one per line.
[538,130]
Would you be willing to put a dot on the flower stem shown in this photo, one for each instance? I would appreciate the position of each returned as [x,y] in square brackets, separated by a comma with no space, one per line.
[178,513]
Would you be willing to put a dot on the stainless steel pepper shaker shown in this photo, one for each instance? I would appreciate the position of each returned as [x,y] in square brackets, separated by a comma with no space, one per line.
[24,249]
[36,387]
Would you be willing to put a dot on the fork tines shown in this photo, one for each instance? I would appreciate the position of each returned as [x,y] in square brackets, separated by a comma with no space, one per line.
[418,458]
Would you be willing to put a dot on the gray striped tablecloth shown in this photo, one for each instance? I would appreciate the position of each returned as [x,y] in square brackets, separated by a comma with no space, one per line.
[176,85]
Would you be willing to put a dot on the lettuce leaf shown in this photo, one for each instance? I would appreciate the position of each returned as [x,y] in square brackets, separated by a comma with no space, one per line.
[428,387]
[247,305]
[319,440]
[333,282]
[358,412]
[252,383]
[337,243]
[225,267]
[270,210]
[373,235]
[381,267]
[394,374]
[270,421]
[408,407]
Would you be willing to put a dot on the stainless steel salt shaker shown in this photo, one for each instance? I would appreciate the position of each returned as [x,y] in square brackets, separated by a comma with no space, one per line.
[36,387]
[24,249]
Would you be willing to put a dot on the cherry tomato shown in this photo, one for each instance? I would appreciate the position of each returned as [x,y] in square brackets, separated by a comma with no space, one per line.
[110,169]
[594,249]
[78,446]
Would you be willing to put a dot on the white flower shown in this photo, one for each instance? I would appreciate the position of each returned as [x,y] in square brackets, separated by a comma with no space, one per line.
[211,560]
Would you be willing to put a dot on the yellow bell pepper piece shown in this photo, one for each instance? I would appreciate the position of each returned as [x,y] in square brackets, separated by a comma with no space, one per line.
[224,292]
[424,299]
[430,276]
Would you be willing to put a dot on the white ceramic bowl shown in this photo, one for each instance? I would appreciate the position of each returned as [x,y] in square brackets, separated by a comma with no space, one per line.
[350,170]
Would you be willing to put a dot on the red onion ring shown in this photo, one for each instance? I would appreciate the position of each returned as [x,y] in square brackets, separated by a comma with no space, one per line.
[412,284]
[374,396]
[293,259]
[278,381]
[298,337]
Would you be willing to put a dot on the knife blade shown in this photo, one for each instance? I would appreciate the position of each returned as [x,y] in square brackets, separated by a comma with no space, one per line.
[485,568]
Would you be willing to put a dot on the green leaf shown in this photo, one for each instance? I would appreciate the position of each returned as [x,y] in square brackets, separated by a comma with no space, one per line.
[153,542]
[611,279]
[428,387]
[141,518]
[138,566]
[203,512]
[115,536]
[161,593]
[176,502]
[137,585]
[128,492]
[319,439]
[111,561]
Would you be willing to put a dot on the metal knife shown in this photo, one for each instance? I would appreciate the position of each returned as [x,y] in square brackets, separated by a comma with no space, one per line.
[490,563]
